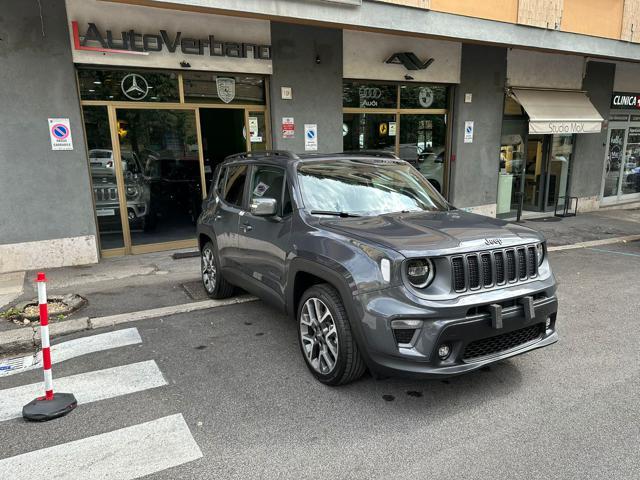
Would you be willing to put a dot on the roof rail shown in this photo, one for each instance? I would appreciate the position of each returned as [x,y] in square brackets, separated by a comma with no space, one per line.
[372,153]
[264,153]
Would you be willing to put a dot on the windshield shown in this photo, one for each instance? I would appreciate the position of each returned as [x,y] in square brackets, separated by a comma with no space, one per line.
[366,188]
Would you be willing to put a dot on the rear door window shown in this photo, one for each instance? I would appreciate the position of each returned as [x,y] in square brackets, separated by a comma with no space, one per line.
[234,186]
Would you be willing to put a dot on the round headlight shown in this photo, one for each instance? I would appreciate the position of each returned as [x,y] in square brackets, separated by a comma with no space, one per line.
[419,272]
[540,253]
[132,191]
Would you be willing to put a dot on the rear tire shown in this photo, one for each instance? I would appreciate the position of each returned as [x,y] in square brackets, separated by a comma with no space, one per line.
[325,337]
[212,280]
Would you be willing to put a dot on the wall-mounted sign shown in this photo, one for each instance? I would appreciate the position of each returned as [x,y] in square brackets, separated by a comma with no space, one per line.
[392,129]
[136,43]
[409,60]
[286,93]
[616,117]
[369,96]
[288,127]
[635,118]
[60,133]
[425,97]
[468,132]
[564,128]
[226,88]
[134,86]
[622,100]
[310,137]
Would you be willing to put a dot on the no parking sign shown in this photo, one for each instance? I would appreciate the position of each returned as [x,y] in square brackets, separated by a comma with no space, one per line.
[60,133]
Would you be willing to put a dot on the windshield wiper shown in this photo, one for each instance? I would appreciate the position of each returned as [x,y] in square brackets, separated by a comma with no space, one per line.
[335,214]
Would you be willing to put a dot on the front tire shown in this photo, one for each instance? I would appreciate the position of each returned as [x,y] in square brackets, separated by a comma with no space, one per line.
[325,337]
[212,281]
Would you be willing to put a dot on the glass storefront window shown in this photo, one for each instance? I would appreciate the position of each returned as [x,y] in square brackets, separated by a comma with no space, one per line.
[614,161]
[128,85]
[559,169]
[162,173]
[369,131]
[369,95]
[103,177]
[423,96]
[631,167]
[207,87]
[422,144]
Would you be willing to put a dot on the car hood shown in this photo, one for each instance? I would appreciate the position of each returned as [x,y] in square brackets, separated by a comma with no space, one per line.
[435,233]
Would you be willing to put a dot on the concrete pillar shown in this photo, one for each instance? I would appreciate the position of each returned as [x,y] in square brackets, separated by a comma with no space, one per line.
[474,173]
[46,208]
[309,60]
[589,151]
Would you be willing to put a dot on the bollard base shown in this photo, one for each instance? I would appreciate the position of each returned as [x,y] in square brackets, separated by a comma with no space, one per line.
[41,410]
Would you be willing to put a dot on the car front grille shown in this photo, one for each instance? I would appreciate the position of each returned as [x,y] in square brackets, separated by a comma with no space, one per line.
[502,343]
[498,267]
[103,194]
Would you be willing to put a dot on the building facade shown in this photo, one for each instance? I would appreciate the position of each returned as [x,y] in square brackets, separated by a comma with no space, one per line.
[117,112]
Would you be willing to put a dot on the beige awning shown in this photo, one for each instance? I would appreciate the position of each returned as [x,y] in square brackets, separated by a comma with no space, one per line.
[558,112]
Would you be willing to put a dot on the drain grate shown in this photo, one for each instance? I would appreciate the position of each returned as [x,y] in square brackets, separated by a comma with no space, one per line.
[195,290]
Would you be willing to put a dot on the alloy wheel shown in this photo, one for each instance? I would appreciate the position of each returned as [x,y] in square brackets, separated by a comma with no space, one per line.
[319,336]
[208,270]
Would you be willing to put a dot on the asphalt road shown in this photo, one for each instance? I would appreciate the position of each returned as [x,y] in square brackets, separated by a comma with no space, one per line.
[569,411]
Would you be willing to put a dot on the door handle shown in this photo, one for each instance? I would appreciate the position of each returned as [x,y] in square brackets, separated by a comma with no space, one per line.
[217,217]
[247,227]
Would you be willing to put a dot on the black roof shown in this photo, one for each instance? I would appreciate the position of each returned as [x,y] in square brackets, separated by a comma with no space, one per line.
[284,156]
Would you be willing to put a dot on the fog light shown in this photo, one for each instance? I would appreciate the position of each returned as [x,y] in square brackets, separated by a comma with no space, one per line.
[444,351]
[548,323]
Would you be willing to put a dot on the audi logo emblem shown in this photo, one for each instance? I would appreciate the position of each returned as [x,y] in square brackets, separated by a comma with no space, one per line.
[370,93]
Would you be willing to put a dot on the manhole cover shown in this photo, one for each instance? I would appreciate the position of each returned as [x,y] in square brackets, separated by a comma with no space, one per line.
[195,290]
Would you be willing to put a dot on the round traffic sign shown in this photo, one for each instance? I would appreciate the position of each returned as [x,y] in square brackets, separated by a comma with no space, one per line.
[60,131]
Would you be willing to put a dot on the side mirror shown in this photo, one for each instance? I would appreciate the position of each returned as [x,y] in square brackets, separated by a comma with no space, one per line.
[264,207]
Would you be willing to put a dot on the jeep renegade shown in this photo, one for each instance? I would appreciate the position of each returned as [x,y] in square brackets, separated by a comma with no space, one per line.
[376,268]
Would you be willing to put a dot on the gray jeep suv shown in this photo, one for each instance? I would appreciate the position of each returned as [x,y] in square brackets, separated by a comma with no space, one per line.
[376,268]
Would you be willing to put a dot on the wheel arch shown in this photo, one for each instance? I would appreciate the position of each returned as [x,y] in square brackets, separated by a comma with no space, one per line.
[303,274]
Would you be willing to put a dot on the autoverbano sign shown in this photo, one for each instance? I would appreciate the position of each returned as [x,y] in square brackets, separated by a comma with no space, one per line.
[138,43]
[624,100]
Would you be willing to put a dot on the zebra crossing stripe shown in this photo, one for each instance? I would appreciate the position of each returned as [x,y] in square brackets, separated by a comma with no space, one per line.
[87,387]
[124,454]
[72,348]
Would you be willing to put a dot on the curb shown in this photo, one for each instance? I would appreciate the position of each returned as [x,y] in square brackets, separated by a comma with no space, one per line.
[594,243]
[29,338]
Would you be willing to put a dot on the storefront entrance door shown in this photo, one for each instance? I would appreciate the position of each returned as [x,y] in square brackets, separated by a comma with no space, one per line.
[223,134]
[622,164]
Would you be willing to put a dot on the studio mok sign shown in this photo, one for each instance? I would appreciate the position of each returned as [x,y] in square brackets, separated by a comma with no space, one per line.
[132,42]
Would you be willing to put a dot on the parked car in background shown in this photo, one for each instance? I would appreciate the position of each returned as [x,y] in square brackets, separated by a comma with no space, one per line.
[105,190]
[376,268]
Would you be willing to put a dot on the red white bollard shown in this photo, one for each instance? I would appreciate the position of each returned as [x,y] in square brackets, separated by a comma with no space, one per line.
[44,336]
[50,406]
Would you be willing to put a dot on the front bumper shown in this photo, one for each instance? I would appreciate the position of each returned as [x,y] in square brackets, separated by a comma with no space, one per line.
[467,326]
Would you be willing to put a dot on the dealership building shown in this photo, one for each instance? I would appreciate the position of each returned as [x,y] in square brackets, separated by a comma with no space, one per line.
[115,113]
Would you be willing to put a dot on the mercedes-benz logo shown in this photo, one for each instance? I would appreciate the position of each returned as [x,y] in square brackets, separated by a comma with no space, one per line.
[134,86]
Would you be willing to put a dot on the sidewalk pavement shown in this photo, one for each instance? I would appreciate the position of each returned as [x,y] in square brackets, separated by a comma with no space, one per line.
[138,283]
[587,227]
